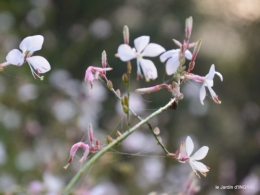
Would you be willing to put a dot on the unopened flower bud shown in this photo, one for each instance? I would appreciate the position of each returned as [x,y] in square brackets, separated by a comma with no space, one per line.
[98,147]
[118,92]
[90,133]
[73,151]
[156,131]
[188,29]
[191,66]
[109,85]
[126,34]
[109,139]
[196,50]
[104,59]
[148,89]
[177,42]
[125,109]
[129,67]
[118,133]
[194,55]
[125,79]
[124,101]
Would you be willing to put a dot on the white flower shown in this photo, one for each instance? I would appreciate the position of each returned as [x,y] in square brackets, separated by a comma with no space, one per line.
[184,156]
[29,45]
[208,82]
[142,48]
[173,62]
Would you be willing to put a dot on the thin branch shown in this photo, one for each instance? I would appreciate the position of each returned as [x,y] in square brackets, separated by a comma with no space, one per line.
[113,143]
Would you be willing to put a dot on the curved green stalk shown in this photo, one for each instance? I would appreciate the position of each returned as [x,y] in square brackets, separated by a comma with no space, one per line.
[109,146]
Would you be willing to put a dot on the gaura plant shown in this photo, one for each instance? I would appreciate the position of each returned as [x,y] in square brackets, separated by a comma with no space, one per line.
[175,66]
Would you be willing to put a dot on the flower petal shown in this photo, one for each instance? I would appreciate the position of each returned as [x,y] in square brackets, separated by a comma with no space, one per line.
[198,166]
[220,75]
[202,94]
[172,65]
[212,92]
[201,153]
[189,146]
[15,57]
[32,43]
[153,50]
[141,43]
[183,154]
[211,73]
[125,52]
[149,69]
[188,54]
[39,64]
[168,54]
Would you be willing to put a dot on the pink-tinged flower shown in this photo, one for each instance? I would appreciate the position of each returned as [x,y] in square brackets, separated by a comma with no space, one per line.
[92,73]
[184,156]
[173,59]
[74,149]
[207,82]
[177,56]
[142,48]
[29,45]
[153,88]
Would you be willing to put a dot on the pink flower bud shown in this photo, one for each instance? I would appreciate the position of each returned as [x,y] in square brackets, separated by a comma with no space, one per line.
[153,89]
[194,55]
[126,34]
[93,73]
[188,29]
[194,77]
[74,149]
[177,42]
[104,59]
[90,133]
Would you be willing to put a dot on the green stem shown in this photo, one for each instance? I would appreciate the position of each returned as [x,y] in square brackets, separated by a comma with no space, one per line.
[109,146]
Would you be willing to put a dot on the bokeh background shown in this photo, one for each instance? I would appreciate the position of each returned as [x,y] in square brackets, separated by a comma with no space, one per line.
[41,120]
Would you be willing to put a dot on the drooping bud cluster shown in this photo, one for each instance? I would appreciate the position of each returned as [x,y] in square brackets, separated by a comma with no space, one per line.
[93,73]
[93,147]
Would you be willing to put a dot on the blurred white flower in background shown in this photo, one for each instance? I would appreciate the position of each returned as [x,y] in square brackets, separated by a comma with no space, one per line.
[27,92]
[100,28]
[3,156]
[64,110]
[104,188]
[25,160]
